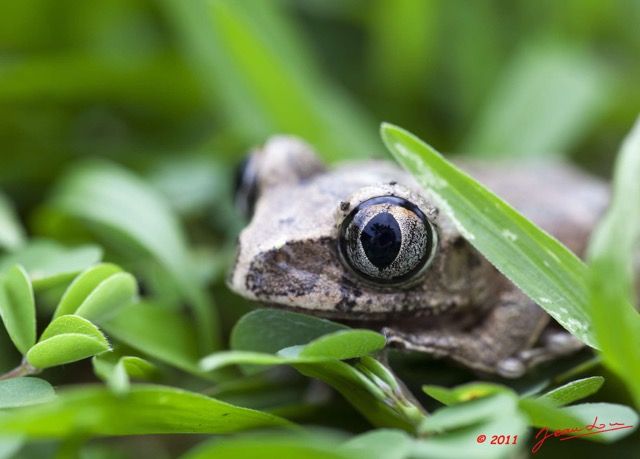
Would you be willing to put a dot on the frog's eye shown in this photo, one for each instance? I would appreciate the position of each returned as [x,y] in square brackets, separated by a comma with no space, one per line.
[387,240]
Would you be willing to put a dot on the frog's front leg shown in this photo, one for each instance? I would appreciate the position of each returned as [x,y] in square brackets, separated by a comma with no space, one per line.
[513,338]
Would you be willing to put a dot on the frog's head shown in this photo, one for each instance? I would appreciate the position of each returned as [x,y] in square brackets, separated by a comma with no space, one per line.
[358,242]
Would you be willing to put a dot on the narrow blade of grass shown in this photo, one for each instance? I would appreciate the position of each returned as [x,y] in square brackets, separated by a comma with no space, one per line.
[253,67]
[546,100]
[146,409]
[544,268]
[611,254]
[572,391]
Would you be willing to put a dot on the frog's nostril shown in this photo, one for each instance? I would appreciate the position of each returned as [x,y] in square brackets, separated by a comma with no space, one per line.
[281,256]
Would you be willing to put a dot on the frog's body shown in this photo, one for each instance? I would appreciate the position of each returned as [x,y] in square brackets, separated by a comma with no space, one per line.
[457,306]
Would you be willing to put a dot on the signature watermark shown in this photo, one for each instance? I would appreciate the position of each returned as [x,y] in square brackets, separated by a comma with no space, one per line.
[576,432]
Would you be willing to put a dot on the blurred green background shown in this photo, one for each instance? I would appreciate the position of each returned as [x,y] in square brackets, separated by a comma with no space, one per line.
[142,81]
[178,91]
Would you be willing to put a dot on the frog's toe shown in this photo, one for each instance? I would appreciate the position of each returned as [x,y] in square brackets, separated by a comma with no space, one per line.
[512,367]
[552,344]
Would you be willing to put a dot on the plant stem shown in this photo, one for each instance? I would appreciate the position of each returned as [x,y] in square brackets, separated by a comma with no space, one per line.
[24,369]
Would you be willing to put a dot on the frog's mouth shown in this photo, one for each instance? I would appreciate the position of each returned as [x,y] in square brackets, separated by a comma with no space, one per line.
[308,276]
[297,274]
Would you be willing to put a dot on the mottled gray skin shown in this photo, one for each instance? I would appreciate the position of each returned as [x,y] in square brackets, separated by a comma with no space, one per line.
[459,308]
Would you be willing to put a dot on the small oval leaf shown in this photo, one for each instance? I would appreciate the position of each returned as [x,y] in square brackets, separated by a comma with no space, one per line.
[117,372]
[17,308]
[71,324]
[50,263]
[112,373]
[619,420]
[347,344]
[111,295]
[157,331]
[269,330]
[24,391]
[501,405]
[66,348]
[575,390]
[82,286]
[140,369]
[67,339]
[465,392]
[125,210]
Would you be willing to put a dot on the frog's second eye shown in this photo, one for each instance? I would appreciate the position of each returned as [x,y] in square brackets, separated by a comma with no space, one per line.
[246,187]
[387,240]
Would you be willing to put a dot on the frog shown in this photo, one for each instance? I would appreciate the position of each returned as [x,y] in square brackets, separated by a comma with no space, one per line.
[363,243]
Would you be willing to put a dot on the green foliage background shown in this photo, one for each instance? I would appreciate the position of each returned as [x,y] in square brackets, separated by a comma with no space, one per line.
[121,123]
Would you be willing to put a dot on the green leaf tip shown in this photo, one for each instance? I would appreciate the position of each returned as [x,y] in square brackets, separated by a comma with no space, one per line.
[18,392]
[67,339]
[17,308]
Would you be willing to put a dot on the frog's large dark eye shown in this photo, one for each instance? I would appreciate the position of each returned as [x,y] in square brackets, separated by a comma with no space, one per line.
[387,240]
[246,187]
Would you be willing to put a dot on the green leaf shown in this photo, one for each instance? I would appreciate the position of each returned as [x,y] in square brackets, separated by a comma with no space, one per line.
[9,447]
[224,358]
[341,345]
[138,368]
[319,445]
[581,419]
[346,344]
[380,444]
[367,384]
[109,297]
[49,263]
[367,387]
[269,330]
[469,413]
[465,392]
[17,308]
[116,371]
[543,414]
[612,255]
[607,414]
[112,373]
[575,390]
[25,391]
[158,332]
[63,349]
[130,214]
[67,339]
[458,428]
[545,267]
[12,234]
[146,409]
[70,324]
[82,286]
